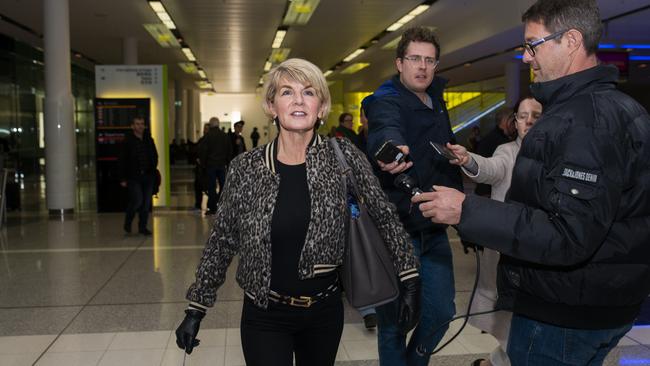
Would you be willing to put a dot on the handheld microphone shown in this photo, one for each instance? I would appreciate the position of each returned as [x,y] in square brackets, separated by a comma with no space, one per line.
[407,184]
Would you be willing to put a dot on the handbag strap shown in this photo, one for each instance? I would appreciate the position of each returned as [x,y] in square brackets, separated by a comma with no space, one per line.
[347,171]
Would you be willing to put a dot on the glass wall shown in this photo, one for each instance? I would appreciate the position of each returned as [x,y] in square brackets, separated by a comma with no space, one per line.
[22,91]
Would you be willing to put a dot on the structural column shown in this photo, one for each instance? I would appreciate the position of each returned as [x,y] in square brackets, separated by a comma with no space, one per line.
[513,85]
[191,123]
[186,121]
[60,139]
[130,51]
[194,125]
[179,112]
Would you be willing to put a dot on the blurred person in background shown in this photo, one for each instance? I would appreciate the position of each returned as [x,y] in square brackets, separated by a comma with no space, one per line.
[137,169]
[215,152]
[344,129]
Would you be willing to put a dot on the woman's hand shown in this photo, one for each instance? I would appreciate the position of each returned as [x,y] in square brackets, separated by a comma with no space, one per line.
[463,157]
[187,331]
[409,304]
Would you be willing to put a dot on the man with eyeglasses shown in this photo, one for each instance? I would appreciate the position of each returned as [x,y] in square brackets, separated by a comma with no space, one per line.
[409,111]
[574,233]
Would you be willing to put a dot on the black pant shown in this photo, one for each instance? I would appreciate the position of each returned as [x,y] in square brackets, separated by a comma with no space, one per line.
[214,175]
[140,192]
[271,337]
[200,183]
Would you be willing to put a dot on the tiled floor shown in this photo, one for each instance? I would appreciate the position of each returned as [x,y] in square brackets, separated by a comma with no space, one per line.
[80,292]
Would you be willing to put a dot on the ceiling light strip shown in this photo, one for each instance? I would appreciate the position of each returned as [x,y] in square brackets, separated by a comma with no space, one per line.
[299,12]
[162,35]
[356,67]
[162,14]
[420,9]
[157,6]
[279,37]
[174,39]
[189,54]
[353,55]
[408,17]
[424,6]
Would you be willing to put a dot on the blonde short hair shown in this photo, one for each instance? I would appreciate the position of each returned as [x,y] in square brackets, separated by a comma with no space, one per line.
[302,71]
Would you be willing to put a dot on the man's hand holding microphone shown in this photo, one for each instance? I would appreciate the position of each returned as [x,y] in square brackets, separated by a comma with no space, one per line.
[444,204]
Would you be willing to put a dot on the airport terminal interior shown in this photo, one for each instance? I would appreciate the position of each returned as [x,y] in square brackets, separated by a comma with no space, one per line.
[75,289]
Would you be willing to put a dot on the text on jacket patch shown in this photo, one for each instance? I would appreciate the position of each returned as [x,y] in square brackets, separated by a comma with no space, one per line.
[583,176]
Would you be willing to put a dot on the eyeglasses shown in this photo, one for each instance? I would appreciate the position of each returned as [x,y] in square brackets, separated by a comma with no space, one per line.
[530,46]
[417,60]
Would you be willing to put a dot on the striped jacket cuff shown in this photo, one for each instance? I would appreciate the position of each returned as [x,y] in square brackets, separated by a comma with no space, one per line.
[196,306]
[408,274]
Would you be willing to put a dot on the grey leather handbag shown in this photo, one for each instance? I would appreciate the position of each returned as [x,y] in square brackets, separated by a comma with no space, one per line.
[367,273]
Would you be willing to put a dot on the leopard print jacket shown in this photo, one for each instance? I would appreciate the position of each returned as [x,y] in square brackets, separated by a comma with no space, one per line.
[243,221]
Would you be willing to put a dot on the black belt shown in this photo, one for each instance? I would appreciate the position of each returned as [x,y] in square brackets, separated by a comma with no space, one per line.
[303,301]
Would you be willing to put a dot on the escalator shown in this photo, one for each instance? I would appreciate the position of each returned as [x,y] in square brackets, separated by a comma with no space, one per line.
[474,105]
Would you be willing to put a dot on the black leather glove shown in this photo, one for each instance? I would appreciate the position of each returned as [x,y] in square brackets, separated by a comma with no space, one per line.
[409,304]
[187,331]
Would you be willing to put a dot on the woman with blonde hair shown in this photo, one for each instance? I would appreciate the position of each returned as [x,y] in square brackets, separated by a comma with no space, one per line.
[283,211]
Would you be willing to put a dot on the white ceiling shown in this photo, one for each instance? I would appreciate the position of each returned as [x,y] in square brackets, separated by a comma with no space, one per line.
[232,38]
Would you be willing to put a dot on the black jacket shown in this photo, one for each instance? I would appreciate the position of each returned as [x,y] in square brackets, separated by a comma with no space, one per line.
[342,131]
[215,149]
[130,163]
[575,231]
[238,144]
[395,113]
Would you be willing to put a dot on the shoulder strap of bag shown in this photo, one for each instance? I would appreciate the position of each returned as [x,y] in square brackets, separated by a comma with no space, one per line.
[346,167]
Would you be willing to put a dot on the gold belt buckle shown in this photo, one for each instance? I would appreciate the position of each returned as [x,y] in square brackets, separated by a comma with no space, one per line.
[302,301]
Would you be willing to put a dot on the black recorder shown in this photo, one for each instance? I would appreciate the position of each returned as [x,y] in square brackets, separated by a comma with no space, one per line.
[389,153]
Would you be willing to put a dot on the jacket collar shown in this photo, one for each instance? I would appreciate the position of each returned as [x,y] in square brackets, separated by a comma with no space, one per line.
[145,135]
[583,82]
[435,90]
[271,150]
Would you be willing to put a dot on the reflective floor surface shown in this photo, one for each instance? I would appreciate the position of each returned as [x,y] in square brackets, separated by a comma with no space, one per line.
[81,292]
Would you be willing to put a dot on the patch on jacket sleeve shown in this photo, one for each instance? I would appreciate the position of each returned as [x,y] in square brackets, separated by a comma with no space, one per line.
[580,174]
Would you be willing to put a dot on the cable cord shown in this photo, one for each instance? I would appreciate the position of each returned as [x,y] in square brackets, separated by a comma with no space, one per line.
[421,349]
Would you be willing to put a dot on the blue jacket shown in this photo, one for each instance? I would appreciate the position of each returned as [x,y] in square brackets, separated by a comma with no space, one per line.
[395,113]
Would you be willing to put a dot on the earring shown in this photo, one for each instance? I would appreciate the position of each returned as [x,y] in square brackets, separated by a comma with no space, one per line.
[276,121]
[321,122]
